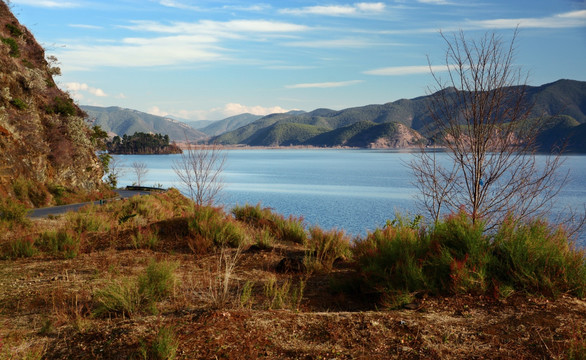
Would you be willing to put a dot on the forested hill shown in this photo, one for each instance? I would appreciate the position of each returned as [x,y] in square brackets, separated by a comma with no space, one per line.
[120,121]
[323,127]
[141,144]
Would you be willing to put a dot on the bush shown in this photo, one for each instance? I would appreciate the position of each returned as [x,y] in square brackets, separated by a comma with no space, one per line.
[211,227]
[60,242]
[13,45]
[390,260]
[19,104]
[14,30]
[129,296]
[536,258]
[290,229]
[325,247]
[164,346]
[13,211]
[22,247]
[457,256]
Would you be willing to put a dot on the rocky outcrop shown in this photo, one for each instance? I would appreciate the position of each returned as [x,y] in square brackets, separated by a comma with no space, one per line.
[44,139]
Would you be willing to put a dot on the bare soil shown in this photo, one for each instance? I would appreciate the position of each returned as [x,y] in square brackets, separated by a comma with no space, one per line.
[46,306]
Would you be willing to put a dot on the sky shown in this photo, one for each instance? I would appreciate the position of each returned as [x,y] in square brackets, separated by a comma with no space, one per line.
[211,59]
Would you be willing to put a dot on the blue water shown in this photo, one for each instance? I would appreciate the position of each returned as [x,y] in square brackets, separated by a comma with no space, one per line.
[353,190]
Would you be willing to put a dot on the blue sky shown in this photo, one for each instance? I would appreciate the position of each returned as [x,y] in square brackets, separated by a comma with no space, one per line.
[217,58]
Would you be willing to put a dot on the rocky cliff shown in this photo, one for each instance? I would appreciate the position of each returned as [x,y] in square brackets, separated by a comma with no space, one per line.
[44,140]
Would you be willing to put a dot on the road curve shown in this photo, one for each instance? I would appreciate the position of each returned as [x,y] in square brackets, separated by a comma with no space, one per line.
[62,209]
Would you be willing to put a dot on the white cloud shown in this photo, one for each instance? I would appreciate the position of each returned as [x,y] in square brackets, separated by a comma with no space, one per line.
[435,2]
[563,20]
[140,52]
[47,3]
[218,113]
[77,89]
[334,43]
[185,43]
[324,85]
[178,5]
[337,10]
[217,28]
[406,70]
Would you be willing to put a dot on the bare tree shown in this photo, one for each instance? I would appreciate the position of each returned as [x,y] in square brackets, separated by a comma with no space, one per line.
[115,171]
[481,117]
[199,170]
[140,170]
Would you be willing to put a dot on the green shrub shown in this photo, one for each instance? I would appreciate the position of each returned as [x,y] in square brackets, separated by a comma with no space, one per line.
[87,220]
[13,45]
[130,296]
[62,106]
[13,211]
[264,239]
[60,242]
[536,258]
[458,256]
[165,344]
[120,297]
[14,30]
[212,227]
[144,239]
[325,247]
[158,280]
[389,260]
[285,295]
[19,104]
[22,247]
[290,229]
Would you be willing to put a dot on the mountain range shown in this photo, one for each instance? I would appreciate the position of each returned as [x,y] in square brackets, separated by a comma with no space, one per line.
[398,124]
[405,122]
[119,121]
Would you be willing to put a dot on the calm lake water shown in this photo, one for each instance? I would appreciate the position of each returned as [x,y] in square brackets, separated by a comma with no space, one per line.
[354,190]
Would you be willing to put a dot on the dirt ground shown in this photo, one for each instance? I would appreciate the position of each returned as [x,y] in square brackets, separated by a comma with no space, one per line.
[46,306]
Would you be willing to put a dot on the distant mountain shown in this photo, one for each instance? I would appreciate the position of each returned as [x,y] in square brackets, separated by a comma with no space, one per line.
[197,124]
[126,121]
[358,126]
[229,124]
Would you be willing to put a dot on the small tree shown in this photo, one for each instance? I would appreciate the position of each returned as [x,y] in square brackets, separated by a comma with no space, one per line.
[199,171]
[481,116]
[140,170]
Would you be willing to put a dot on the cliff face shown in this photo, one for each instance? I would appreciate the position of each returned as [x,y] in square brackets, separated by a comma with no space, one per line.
[44,140]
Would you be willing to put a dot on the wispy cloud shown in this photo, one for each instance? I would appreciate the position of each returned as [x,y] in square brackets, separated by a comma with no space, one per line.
[406,70]
[178,5]
[217,28]
[143,52]
[436,2]
[85,26]
[337,10]
[186,43]
[47,3]
[563,20]
[324,85]
[334,43]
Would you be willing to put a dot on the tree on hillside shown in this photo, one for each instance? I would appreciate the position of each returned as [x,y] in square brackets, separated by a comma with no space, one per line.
[480,113]
[199,171]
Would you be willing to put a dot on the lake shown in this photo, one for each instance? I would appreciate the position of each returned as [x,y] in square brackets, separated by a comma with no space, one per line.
[354,190]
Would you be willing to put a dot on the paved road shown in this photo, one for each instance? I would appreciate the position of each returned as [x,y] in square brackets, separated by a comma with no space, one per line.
[57,210]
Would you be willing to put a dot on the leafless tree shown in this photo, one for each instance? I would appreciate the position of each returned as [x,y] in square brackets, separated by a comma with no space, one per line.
[199,170]
[115,170]
[140,170]
[481,117]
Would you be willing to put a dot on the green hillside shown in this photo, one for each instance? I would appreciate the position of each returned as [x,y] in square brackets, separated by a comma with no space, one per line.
[356,126]
[229,124]
[126,121]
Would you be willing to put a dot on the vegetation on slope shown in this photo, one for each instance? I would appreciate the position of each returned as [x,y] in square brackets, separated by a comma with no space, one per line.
[125,121]
[44,139]
[168,274]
